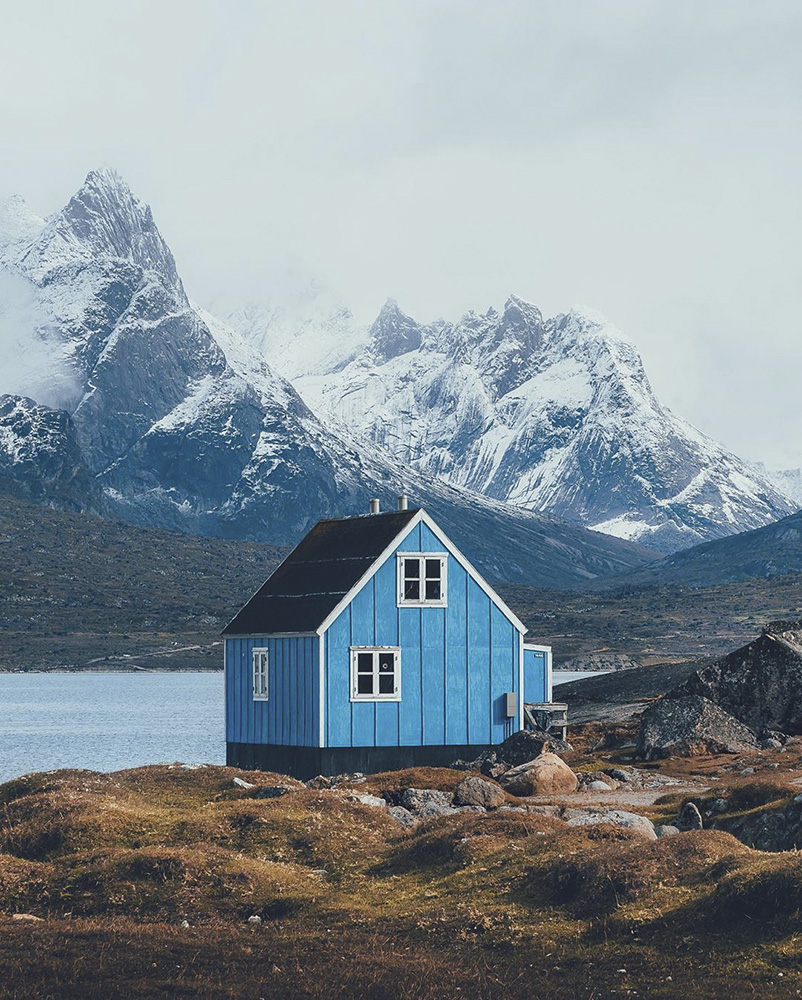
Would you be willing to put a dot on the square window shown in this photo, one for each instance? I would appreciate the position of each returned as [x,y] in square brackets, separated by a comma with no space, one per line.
[422,579]
[375,674]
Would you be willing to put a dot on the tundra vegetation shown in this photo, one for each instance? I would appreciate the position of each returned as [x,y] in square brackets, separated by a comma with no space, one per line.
[211,882]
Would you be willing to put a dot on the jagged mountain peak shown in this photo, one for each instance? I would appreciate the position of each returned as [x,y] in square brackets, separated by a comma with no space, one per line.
[393,333]
[103,219]
[552,414]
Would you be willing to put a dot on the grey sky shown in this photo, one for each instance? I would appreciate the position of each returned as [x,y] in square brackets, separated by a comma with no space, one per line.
[639,157]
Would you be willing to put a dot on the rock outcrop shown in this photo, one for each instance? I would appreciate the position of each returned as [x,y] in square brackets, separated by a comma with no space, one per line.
[748,699]
[688,725]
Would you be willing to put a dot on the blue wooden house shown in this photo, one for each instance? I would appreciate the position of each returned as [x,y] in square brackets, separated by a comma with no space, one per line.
[375,645]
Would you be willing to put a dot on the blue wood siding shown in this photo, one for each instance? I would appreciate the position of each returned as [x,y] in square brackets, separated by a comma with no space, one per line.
[457,663]
[535,676]
[291,714]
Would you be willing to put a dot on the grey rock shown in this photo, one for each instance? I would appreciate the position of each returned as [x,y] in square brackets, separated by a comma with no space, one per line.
[241,783]
[625,777]
[746,772]
[402,816]
[689,817]
[254,920]
[319,782]
[427,802]
[598,786]
[685,725]
[547,774]
[475,791]
[369,800]
[617,817]
[473,809]
[770,744]
[272,791]
[665,830]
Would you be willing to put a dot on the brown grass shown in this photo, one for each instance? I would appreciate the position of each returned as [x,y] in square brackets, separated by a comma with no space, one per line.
[498,905]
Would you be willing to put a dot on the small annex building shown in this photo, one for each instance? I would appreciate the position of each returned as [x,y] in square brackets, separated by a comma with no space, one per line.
[375,645]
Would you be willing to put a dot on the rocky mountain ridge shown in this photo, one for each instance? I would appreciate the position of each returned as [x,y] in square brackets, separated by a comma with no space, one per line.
[552,414]
[182,424]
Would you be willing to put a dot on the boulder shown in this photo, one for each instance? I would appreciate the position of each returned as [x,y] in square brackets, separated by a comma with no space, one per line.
[272,791]
[689,817]
[369,800]
[402,816]
[476,791]
[665,830]
[427,802]
[688,725]
[617,817]
[547,774]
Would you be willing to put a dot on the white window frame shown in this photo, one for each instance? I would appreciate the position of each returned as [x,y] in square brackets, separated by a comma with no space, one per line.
[404,602]
[375,650]
[260,664]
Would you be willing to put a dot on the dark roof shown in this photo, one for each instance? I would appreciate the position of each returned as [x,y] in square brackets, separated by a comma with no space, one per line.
[318,573]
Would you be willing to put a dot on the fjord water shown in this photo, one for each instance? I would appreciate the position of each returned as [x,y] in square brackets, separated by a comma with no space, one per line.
[109,721]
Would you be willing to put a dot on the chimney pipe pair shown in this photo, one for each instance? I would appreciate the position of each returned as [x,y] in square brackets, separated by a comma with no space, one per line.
[403,503]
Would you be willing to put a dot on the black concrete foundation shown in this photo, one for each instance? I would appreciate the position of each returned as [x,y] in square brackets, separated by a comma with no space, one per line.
[306,762]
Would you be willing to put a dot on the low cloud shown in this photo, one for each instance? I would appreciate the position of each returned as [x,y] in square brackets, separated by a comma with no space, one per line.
[33,360]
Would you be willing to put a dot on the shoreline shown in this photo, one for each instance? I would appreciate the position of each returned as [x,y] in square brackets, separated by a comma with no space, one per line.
[107,670]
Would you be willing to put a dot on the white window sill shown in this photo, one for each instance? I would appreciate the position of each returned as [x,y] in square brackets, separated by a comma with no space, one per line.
[422,604]
[261,697]
[374,698]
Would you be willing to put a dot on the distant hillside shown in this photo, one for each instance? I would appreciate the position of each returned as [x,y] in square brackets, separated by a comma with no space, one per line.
[768,552]
[79,590]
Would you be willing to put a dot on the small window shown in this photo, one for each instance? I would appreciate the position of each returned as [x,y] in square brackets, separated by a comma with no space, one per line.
[260,674]
[422,579]
[376,674]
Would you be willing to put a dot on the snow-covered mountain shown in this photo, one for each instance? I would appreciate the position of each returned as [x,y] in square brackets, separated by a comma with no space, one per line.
[182,424]
[549,414]
[787,481]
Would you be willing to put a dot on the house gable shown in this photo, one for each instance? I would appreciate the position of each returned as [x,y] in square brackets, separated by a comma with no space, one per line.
[458,659]
[433,540]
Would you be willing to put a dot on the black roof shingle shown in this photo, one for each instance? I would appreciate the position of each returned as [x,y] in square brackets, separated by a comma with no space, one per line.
[318,573]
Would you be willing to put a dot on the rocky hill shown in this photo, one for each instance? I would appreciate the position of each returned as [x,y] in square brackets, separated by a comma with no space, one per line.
[768,553]
[181,424]
[554,414]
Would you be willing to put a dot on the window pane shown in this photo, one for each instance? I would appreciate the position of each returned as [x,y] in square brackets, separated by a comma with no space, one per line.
[364,684]
[412,569]
[433,569]
[386,662]
[386,683]
[432,590]
[412,590]
[364,663]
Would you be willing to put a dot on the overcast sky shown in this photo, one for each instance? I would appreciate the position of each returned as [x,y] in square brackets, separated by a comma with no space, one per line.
[643,158]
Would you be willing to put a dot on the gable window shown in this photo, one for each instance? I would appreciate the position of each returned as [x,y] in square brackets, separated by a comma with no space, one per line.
[422,579]
[375,673]
[260,675]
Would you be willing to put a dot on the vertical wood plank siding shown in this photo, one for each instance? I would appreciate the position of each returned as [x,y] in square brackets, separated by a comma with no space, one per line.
[290,716]
[457,663]
[535,682]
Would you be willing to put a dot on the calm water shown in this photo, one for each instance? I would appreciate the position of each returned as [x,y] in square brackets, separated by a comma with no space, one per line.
[109,721]
[564,676]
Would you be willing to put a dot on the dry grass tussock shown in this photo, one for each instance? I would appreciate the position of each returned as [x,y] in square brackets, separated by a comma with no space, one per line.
[504,904]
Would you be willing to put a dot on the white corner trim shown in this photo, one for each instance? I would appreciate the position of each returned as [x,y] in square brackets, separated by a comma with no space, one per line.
[321,645]
[374,567]
[521,699]
[472,571]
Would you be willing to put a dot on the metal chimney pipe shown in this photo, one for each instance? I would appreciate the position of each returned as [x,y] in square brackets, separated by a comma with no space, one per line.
[374,506]
[403,502]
